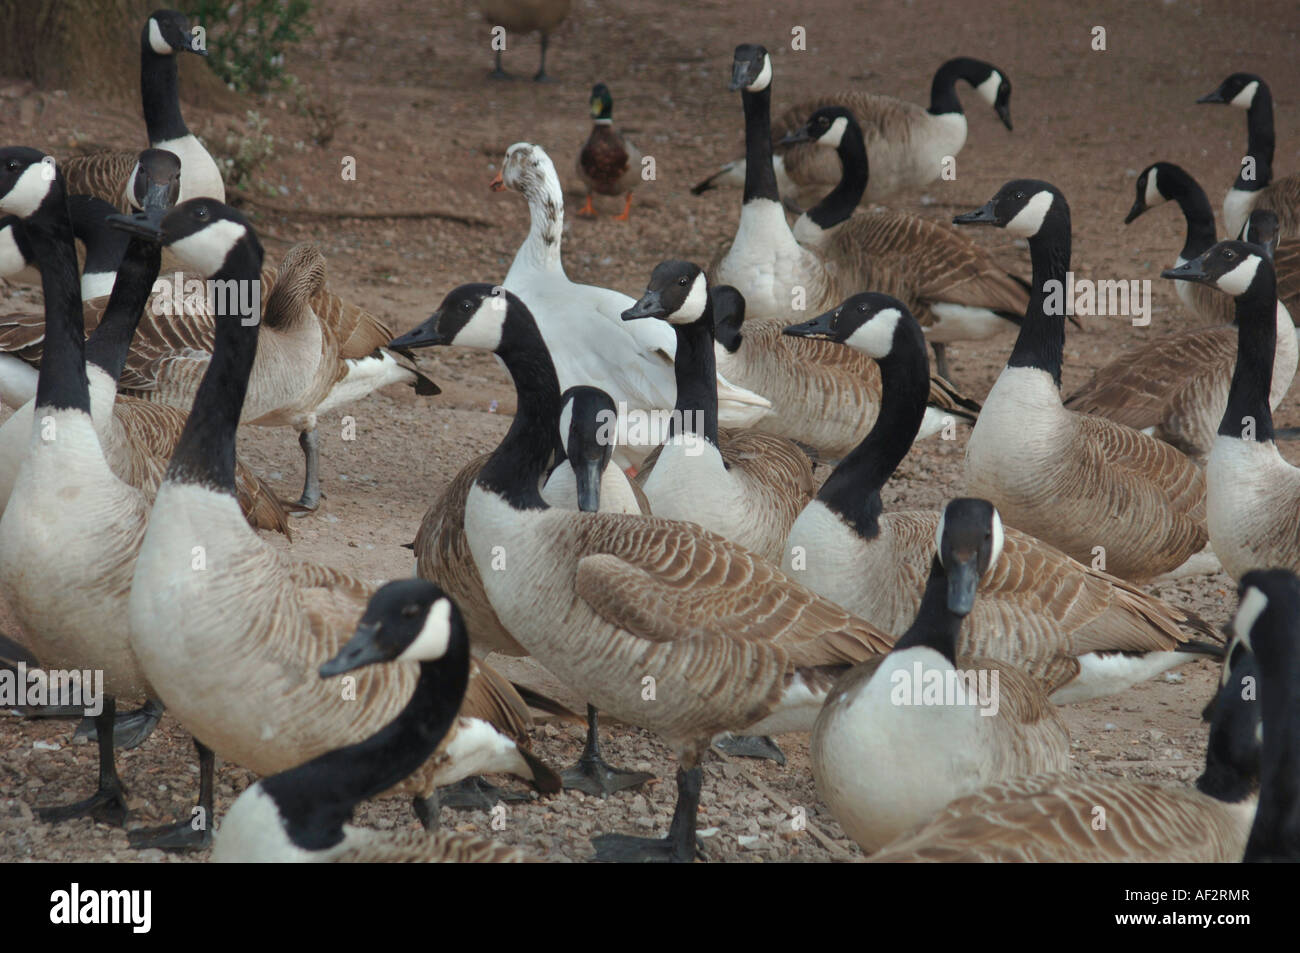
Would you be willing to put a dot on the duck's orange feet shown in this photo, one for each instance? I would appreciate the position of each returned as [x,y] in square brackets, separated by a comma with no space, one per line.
[587,211]
[626,208]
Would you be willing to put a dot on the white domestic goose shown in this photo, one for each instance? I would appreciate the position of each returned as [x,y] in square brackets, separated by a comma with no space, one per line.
[582,327]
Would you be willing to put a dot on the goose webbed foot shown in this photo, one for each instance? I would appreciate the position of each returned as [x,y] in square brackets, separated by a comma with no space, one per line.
[130,729]
[476,794]
[497,71]
[309,440]
[679,847]
[108,804]
[188,833]
[588,210]
[750,746]
[592,775]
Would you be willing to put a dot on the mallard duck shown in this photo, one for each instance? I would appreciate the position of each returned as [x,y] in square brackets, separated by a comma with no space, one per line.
[608,163]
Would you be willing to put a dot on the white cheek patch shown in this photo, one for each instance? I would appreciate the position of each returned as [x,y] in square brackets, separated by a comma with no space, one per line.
[97,284]
[938,530]
[1246,97]
[566,421]
[693,307]
[875,338]
[999,537]
[483,330]
[434,637]
[28,192]
[835,134]
[764,76]
[1030,218]
[988,89]
[1236,282]
[1253,603]
[205,251]
[1152,196]
[11,258]
[156,41]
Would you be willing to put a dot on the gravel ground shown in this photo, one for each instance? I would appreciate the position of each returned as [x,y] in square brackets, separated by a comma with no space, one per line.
[426,130]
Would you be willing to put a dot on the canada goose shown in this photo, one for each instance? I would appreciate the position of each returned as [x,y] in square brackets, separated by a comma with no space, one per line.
[302,814]
[955,288]
[1254,186]
[71,530]
[136,437]
[587,340]
[748,487]
[1079,632]
[978,721]
[1087,485]
[522,17]
[109,175]
[217,614]
[824,397]
[608,164]
[626,608]
[319,352]
[1164,181]
[1266,624]
[583,480]
[1177,388]
[1253,501]
[1071,818]
[908,145]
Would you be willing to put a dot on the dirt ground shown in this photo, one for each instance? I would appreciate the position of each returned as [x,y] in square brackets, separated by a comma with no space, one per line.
[427,130]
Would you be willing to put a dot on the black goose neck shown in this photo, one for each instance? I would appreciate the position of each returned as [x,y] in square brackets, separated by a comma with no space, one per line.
[160,94]
[205,453]
[935,626]
[841,202]
[1259,143]
[105,245]
[109,344]
[695,368]
[943,88]
[520,463]
[317,798]
[1248,408]
[1275,835]
[1041,341]
[1199,215]
[852,491]
[760,176]
[62,381]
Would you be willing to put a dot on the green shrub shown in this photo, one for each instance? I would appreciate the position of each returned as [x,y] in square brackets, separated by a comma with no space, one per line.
[247,38]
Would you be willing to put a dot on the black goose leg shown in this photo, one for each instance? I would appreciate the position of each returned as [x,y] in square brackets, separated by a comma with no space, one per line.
[749,746]
[309,440]
[130,729]
[428,810]
[108,803]
[592,775]
[541,76]
[189,833]
[677,848]
[941,359]
[498,73]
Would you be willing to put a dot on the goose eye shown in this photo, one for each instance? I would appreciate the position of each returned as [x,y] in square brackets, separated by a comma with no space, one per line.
[1229,254]
[201,213]
[13,165]
[465,305]
[1019,195]
[410,611]
[682,281]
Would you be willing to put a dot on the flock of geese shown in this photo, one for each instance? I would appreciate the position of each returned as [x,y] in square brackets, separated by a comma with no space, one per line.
[716,596]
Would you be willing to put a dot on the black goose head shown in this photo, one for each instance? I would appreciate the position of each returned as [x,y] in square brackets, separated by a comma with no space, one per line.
[209,237]
[29,181]
[405,620]
[728,316]
[677,293]
[1233,267]
[476,315]
[751,68]
[602,102]
[1157,183]
[1238,90]
[1262,230]
[1022,207]
[869,322]
[168,32]
[589,431]
[826,127]
[989,81]
[1232,757]
[156,184]
[969,539]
